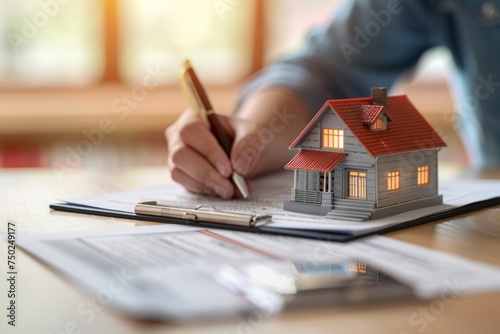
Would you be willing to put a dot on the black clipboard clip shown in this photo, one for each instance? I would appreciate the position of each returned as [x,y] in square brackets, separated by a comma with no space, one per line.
[206,213]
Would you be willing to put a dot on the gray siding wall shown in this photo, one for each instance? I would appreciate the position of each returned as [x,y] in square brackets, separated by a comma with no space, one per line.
[337,182]
[407,164]
[312,181]
[313,140]
[301,183]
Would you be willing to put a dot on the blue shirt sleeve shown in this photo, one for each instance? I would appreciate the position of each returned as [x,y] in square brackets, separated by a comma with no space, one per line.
[369,43]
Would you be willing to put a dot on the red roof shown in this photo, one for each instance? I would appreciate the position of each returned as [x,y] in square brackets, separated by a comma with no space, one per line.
[370,113]
[408,131]
[320,161]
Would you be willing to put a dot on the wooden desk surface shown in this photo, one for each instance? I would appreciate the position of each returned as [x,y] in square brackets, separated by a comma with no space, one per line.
[47,302]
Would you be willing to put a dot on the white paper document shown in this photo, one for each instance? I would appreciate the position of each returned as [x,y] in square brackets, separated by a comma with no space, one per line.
[172,272]
[271,191]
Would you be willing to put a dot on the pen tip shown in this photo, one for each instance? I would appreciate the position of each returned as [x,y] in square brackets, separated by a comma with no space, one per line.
[247,198]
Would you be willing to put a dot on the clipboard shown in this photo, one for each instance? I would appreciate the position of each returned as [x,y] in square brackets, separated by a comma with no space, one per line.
[302,233]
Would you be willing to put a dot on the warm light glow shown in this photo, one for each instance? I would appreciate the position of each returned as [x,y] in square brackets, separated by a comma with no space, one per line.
[214,35]
[379,124]
[50,43]
[357,267]
[393,179]
[423,175]
[357,185]
[333,138]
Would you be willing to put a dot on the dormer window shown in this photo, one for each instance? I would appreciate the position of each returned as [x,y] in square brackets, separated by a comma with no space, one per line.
[380,124]
[375,116]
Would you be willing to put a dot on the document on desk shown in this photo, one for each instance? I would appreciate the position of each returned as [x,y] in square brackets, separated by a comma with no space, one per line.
[175,273]
[269,194]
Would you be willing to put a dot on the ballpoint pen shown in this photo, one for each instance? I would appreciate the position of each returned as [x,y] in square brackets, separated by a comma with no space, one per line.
[201,104]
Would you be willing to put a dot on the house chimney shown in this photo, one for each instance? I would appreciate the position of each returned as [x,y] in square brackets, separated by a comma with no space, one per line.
[379,96]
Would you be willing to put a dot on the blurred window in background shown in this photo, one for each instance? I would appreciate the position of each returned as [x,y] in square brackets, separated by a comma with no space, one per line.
[69,42]
[215,35]
[82,43]
[50,42]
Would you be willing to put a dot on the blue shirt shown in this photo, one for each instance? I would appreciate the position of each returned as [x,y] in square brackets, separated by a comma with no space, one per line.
[372,43]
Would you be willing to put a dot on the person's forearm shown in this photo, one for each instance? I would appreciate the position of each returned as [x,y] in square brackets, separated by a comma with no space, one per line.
[280,116]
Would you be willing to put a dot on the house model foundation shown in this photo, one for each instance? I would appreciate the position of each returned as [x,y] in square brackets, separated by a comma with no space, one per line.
[365,158]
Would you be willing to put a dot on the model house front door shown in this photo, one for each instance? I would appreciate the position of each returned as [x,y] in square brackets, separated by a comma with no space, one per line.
[356,184]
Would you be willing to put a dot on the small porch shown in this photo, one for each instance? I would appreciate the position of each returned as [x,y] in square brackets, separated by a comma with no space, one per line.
[313,181]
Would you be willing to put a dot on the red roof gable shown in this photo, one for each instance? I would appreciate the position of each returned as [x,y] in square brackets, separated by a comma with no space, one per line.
[370,113]
[409,131]
[320,161]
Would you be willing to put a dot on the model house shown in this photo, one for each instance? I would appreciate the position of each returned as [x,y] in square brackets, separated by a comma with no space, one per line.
[365,158]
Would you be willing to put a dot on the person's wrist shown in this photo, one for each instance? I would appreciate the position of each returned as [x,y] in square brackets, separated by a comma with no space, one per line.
[260,101]
[272,117]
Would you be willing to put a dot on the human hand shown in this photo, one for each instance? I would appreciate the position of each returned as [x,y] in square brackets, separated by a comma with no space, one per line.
[197,161]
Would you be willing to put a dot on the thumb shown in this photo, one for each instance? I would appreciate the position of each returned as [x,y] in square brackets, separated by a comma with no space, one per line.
[247,146]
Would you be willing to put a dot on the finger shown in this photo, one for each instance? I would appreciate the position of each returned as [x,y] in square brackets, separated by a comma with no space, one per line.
[172,132]
[197,136]
[194,131]
[191,184]
[197,167]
